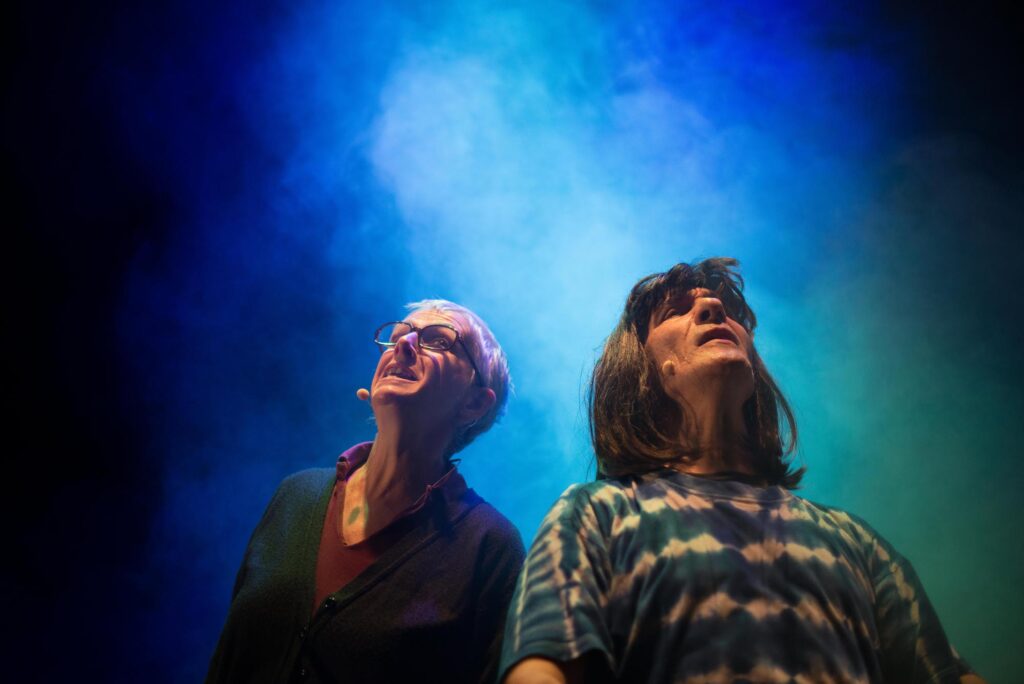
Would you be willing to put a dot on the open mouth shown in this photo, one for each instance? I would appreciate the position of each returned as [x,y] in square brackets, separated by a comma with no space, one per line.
[718,334]
[399,372]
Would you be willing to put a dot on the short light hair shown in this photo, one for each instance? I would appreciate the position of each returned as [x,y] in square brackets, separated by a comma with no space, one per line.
[488,357]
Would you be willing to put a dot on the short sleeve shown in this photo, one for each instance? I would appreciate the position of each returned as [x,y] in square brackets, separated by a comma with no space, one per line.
[913,645]
[558,610]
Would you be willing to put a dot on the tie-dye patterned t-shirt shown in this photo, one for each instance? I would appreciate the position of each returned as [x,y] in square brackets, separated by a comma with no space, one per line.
[675,578]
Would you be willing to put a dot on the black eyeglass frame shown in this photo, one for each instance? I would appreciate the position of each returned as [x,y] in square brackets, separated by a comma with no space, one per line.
[419,342]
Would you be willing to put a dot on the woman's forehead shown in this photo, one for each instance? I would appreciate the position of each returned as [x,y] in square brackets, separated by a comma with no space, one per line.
[424,318]
[695,291]
[681,294]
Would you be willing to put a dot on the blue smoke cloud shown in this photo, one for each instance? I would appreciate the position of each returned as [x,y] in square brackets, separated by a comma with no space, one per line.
[330,162]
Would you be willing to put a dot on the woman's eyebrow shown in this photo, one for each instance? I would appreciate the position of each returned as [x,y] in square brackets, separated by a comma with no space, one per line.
[668,302]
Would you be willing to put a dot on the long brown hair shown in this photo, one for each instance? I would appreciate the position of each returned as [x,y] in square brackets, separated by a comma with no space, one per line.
[634,423]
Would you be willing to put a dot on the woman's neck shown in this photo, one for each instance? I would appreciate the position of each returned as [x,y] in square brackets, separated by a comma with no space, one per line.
[715,437]
[394,477]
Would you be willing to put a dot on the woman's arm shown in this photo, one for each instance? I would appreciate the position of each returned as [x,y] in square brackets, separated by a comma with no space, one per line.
[543,671]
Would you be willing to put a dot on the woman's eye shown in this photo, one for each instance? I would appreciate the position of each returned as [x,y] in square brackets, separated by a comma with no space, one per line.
[677,311]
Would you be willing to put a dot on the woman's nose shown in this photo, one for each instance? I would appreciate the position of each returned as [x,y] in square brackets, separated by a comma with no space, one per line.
[709,310]
[406,345]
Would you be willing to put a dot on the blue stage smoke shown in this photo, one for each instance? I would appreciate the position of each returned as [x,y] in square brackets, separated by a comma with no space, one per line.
[328,163]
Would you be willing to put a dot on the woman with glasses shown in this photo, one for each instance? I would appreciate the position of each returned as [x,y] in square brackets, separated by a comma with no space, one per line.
[387,567]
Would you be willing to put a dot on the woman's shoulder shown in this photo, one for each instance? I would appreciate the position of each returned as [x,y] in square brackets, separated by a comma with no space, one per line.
[311,479]
[592,504]
[303,488]
[601,489]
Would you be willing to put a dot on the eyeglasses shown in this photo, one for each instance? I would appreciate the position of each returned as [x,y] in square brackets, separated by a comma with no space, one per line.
[435,337]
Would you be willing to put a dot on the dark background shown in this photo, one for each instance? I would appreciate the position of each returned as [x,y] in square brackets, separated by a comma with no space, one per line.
[86,595]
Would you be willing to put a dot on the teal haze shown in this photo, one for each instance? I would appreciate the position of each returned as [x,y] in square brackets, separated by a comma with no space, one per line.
[532,161]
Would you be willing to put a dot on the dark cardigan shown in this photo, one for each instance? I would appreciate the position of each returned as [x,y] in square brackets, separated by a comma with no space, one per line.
[431,608]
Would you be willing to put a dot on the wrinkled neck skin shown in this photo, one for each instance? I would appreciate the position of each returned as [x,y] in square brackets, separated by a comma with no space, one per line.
[714,434]
[404,459]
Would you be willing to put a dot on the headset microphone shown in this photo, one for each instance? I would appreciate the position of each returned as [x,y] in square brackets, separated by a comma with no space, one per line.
[362,394]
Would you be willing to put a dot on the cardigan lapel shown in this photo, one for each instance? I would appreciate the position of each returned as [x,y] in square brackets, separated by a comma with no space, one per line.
[434,522]
[430,522]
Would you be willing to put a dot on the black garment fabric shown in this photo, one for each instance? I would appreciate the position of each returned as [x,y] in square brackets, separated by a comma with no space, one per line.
[430,609]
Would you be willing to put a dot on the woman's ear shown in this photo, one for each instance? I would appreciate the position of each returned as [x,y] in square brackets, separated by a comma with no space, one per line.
[479,401]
